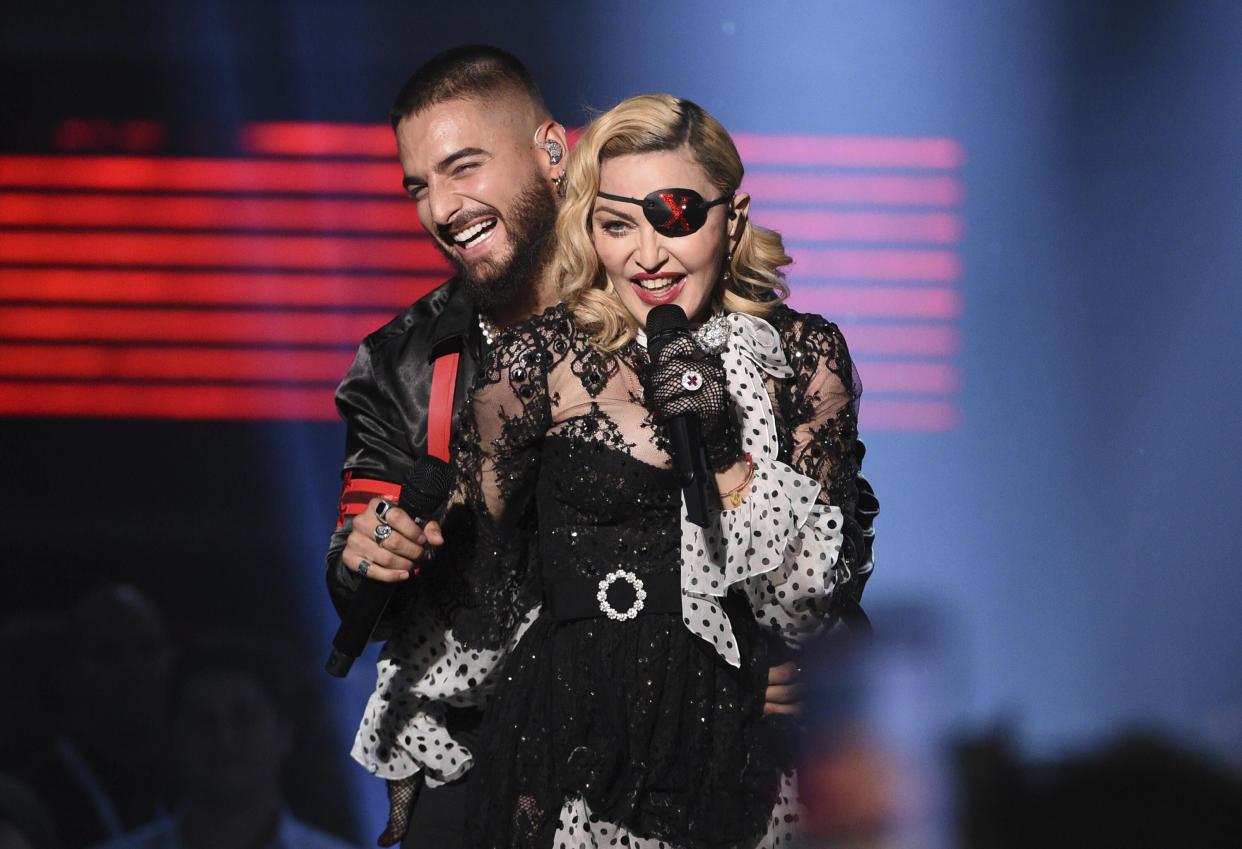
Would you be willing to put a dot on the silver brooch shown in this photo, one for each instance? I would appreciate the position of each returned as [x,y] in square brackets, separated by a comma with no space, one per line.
[640,595]
[713,334]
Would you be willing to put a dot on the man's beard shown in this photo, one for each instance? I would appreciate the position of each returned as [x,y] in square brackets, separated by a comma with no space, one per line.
[497,288]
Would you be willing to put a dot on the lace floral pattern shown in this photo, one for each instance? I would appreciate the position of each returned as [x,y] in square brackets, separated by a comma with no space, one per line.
[654,726]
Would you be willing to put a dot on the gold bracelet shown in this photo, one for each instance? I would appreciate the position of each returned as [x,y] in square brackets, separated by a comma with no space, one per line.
[735,496]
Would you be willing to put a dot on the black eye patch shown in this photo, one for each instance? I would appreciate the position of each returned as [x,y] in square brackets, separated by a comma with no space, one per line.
[673,212]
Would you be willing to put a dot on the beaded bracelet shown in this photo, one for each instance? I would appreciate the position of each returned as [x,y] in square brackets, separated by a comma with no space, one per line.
[735,496]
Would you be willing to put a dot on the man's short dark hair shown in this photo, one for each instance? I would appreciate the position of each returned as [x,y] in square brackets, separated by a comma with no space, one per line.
[462,73]
[225,653]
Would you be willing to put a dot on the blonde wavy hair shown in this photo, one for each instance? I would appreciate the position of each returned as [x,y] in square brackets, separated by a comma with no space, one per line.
[644,124]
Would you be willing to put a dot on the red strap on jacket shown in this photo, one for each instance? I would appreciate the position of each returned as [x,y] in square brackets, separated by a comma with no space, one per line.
[357,493]
[440,410]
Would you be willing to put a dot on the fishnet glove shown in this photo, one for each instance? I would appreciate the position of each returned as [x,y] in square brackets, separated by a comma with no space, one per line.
[688,381]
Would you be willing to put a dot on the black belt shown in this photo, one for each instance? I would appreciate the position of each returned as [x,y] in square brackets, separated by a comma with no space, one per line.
[620,595]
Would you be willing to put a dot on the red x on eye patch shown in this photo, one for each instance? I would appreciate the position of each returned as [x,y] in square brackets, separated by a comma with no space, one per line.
[673,212]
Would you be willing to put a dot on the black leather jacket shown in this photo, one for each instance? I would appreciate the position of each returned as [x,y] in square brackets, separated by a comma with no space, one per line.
[383,400]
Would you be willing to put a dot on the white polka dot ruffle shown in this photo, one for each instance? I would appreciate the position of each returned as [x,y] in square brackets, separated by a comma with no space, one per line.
[578,828]
[420,670]
[781,545]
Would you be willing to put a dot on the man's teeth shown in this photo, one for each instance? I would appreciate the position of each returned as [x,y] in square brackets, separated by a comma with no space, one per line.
[472,234]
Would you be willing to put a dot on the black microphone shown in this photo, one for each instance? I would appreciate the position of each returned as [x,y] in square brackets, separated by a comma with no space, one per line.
[425,488]
[664,324]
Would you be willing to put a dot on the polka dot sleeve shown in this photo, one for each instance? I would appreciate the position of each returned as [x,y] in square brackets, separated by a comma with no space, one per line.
[420,670]
[782,545]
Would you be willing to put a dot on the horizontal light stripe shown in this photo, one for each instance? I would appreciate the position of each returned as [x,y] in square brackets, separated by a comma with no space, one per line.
[191,401]
[133,135]
[898,339]
[121,400]
[219,250]
[875,301]
[208,212]
[318,138]
[912,378]
[311,138]
[398,215]
[943,228]
[887,414]
[274,327]
[245,175]
[225,326]
[105,362]
[102,362]
[880,190]
[849,151]
[190,288]
[870,264]
[200,174]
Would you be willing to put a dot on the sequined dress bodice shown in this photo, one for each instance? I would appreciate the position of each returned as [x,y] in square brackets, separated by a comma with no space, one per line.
[641,718]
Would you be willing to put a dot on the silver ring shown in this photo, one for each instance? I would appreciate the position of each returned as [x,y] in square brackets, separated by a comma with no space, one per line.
[691,380]
[382,531]
[381,510]
[363,566]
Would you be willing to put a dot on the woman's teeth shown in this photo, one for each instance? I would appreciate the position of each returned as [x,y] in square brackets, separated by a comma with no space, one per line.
[468,237]
[657,283]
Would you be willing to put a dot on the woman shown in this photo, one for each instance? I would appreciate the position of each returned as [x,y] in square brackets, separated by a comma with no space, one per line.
[630,708]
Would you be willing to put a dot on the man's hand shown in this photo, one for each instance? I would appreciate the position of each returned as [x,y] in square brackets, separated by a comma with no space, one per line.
[395,557]
[784,693]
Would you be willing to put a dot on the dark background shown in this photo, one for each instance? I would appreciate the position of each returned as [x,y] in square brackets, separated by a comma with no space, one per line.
[1072,540]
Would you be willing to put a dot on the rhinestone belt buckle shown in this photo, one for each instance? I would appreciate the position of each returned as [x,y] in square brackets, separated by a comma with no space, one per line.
[640,595]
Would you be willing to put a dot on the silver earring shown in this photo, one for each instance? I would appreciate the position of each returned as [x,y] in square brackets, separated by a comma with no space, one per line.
[728,268]
[552,146]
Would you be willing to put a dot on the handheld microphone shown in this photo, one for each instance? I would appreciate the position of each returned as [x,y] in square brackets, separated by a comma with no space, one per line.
[664,324]
[425,488]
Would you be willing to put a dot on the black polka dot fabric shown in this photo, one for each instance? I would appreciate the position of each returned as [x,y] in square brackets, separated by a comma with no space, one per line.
[420,671]
[539,407]
[578,828]
[780,545]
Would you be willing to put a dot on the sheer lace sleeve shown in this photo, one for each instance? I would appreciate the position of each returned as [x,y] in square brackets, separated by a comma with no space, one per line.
[498,457]
[820,407]
[784,545]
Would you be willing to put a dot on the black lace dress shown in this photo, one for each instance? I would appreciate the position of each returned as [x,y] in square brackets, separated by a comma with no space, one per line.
[650,727]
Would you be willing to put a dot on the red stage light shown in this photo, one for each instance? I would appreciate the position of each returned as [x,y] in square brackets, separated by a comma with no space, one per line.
[203,287]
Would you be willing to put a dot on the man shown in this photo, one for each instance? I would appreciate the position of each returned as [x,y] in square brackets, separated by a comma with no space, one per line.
[484,161]
[232,733]
[108,662]
[482,158]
